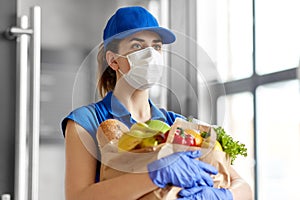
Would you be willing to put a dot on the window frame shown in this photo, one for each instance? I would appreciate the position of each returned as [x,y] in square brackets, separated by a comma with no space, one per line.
[250,84]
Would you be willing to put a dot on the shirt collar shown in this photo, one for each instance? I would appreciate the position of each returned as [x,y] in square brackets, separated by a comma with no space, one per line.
[156,112]
[118,110]
[114,106]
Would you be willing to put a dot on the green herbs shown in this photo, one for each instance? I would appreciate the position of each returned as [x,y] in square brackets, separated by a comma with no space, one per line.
[205,134]
[230,147]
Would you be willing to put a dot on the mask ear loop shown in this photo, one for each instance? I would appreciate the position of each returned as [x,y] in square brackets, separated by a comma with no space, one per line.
[121,72]
[118,55]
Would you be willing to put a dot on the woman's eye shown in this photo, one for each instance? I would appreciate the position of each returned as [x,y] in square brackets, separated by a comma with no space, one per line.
[157,47]
[136,46]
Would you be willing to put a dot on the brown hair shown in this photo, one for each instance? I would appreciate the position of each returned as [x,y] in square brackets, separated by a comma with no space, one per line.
[106,75]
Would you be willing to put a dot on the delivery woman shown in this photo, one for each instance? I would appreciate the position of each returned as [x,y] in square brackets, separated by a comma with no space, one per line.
[133,38]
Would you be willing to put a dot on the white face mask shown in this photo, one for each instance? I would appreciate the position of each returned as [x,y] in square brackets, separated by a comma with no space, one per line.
[146,67]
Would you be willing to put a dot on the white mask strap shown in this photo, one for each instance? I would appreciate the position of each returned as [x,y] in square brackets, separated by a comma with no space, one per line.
[119,55]
[121,72]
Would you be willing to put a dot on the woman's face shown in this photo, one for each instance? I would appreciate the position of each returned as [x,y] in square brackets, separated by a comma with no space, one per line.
[137,42]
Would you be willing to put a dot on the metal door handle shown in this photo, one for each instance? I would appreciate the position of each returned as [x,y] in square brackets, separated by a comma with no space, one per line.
[21,109]
[34,127]
[27,122]
[298,69]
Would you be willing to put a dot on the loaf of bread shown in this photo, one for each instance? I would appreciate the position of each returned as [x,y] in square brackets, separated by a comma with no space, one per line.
[109,130]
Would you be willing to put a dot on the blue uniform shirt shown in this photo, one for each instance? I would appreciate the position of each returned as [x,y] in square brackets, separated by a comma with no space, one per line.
[91,116]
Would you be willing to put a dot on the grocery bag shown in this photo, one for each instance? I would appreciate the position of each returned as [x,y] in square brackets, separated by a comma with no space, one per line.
[115,163]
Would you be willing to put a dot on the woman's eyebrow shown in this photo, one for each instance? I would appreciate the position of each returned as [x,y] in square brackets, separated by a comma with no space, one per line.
[137,39]
[142,40]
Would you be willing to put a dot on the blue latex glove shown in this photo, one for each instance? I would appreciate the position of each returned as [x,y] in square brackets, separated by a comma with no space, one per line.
[205,193]
[181,169]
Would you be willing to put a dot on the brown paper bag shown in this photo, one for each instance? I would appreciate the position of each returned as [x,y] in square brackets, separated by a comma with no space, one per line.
[221,161]
[115,163]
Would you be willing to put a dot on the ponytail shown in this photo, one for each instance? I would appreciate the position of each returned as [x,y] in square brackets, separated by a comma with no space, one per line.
[106,75]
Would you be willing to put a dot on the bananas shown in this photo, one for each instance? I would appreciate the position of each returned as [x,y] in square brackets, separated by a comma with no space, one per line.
[149,142]
[128,142]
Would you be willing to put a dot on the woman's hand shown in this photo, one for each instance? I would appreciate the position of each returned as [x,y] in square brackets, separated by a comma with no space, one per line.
[238,190]
[205,193]
[181,169]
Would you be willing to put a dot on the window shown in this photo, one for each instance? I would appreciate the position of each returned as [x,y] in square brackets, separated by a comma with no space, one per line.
[278,140]
[225,32]
[255,48]
[277,35]
[238,122]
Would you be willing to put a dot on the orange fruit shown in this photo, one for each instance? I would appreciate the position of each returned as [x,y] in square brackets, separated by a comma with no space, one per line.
[196,135]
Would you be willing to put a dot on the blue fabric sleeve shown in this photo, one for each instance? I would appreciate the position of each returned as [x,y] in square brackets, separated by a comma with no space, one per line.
[84,116]
[171,116]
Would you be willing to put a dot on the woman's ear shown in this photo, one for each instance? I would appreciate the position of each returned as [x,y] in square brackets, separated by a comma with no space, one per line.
[111,60]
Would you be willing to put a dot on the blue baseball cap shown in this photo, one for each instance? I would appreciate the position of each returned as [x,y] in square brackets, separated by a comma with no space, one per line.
[129,20]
